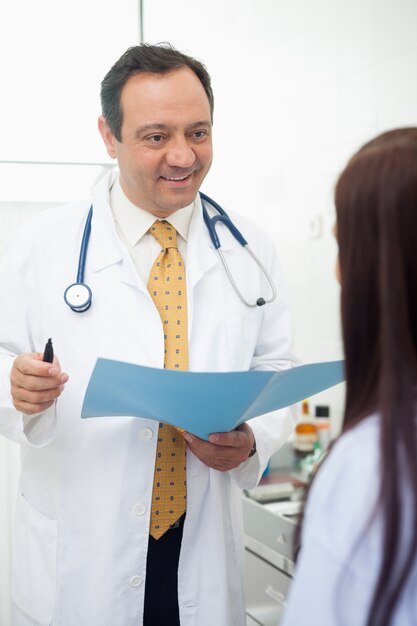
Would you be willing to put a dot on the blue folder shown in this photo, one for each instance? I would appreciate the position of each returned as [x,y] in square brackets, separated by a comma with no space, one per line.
[199,402]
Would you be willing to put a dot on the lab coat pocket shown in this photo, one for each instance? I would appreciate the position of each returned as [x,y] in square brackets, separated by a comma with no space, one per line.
[34,563]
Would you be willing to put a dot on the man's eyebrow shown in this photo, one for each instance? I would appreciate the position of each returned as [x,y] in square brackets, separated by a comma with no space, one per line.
[159,126]
[199,124]
[152,126]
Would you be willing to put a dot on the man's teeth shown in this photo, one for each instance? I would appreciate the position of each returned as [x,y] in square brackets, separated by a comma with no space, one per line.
[176,177]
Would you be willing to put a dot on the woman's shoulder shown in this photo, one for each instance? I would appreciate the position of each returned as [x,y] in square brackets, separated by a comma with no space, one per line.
[349,479]
[361,438]
[343,499]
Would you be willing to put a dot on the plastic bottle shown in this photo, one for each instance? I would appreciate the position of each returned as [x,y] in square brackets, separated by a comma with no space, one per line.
[322,423]
[305,432]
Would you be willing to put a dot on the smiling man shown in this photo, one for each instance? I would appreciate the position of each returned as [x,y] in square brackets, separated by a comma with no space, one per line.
[124,521]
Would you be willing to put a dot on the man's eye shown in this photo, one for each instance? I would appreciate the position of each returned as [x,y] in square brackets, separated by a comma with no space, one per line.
[200,133]
[155,138]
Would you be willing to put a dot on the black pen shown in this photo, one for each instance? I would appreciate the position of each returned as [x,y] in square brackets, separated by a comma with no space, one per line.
[48,353]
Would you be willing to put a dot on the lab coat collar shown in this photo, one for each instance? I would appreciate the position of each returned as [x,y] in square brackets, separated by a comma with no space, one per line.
[228,242]
[201,253]
[135,221]
[107,247]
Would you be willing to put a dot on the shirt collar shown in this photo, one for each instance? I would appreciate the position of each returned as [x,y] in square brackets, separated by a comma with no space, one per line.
[135,222]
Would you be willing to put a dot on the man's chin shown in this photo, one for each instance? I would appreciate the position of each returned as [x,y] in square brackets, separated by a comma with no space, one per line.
[168,208]
[166,212]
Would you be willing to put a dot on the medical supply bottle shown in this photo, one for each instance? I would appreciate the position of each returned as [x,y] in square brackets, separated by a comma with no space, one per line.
[323,426]
[305,433]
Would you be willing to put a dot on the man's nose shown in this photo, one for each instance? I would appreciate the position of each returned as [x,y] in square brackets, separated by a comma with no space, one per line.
[180,154]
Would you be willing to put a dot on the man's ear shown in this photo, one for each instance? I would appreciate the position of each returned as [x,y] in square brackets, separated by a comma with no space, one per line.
[108,137]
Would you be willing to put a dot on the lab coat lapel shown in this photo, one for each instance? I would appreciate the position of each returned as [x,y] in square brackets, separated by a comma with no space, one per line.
[107,249]
[201,253]
[202,256]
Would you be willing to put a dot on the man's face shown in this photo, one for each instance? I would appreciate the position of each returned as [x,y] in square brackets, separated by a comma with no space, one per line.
[165,150]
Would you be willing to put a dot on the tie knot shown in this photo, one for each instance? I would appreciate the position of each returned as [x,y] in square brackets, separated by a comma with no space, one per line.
[164,233]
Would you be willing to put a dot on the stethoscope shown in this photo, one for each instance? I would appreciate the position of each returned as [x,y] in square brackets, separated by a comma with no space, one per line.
[78,296]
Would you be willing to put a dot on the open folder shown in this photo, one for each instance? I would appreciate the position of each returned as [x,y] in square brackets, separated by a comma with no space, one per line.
[201,403]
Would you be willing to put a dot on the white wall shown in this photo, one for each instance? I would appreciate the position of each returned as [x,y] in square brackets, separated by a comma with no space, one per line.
[53,54]
[299,85]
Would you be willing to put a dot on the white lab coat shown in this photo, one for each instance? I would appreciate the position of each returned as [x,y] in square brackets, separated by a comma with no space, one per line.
[84,498]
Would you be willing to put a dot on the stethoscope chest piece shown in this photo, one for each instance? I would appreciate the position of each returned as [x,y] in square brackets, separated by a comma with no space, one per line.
[78,296]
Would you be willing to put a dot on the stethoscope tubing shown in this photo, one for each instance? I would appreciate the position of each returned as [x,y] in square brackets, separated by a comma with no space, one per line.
[223,217]
[84,247]
[78,296]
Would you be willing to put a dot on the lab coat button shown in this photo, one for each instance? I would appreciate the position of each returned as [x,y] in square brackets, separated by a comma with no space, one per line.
[135,581]
[146,433]
[140,509]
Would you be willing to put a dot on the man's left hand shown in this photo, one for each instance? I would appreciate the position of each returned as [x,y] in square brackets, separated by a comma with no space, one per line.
[223,451]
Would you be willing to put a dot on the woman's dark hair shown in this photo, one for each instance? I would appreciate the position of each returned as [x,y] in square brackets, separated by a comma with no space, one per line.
[376,208]
[159,59]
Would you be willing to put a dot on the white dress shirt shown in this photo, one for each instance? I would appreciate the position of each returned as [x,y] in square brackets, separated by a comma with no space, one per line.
[133,223]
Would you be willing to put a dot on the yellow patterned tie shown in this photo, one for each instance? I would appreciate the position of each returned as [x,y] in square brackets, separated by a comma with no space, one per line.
[168,291]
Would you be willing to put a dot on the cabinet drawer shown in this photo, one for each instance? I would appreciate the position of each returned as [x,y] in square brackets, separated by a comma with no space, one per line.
[266,590]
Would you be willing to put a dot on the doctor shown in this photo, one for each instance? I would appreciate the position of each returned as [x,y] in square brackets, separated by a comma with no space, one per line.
[85,550]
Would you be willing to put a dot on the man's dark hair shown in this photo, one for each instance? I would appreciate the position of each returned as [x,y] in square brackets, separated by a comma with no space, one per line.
[159,59]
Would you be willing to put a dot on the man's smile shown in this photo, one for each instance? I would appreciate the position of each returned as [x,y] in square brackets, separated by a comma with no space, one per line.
[177,180]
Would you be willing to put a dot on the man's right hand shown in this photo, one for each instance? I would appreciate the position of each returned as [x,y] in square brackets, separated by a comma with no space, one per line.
[35,384]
